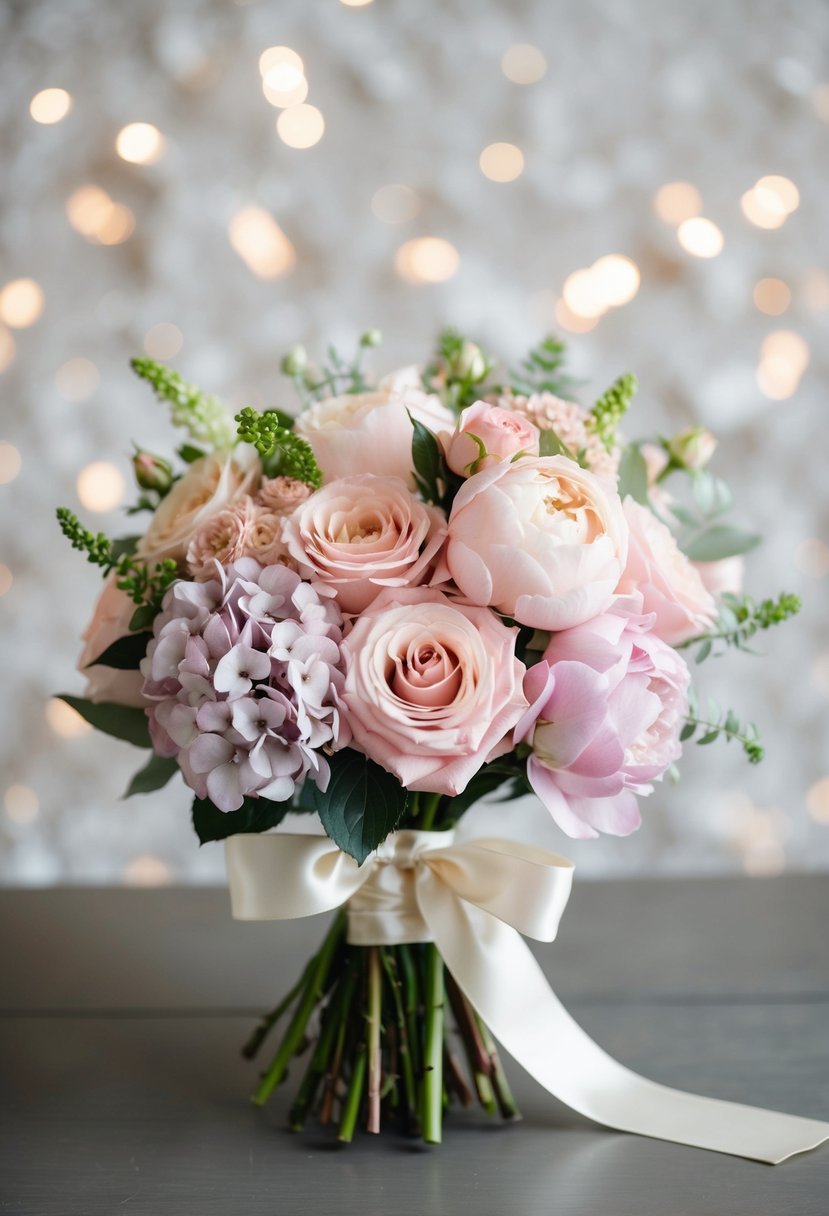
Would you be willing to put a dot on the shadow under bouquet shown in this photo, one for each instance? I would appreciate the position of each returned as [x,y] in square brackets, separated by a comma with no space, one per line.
[450,584]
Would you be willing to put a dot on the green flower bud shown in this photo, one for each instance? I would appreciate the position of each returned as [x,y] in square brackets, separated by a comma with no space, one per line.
[295,362]
[692,449]
[152,472]
[372,337]
[468,363]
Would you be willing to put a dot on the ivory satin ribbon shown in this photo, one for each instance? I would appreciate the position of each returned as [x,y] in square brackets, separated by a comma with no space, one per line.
[474,899]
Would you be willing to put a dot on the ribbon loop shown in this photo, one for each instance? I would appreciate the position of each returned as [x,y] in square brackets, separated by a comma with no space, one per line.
[474,899]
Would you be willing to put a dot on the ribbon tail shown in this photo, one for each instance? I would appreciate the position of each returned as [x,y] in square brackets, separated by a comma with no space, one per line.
[499,975]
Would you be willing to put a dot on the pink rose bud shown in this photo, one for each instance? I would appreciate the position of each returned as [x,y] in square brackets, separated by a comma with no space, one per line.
[487,435]
[152,472]
[692,449]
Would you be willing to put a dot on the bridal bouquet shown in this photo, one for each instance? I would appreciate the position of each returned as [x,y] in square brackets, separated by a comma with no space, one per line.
[447,584]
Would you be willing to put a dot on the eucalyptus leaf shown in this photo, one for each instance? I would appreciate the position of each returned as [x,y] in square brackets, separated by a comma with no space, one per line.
[633,475]
[153,776]
[126,653]
[254,815]
[120,721]
[719,541]
[549,444]
[362,804]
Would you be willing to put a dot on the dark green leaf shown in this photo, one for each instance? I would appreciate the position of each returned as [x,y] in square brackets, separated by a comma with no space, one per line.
[121,721]
[124,546]
[126,653]
[254,815]
[633,475]
[703,652]
[709,737]
[153,776]
[189,452]
[143,616]
[362,804]
[687,731]
[427,461]
[719,541]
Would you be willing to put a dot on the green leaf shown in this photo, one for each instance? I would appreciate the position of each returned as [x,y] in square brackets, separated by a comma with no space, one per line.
[254,815]
[427,461]
[126,653]
[362,804]
[143,616]
[687,731]
[703,652]
[153,776]
[124,546]
[719,541]
[120,721]
[190,453]
[633,475]
[549,444]
[709,737]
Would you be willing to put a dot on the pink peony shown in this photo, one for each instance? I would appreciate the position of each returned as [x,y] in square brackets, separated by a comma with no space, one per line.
[370,432]
[572,426]
[360,534]
[110,621]
[541,540]
[244,675]
[670,586]
[607,703]
[498,435]
[432,687]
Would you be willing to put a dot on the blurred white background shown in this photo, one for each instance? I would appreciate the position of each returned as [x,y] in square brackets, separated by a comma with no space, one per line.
[230,227]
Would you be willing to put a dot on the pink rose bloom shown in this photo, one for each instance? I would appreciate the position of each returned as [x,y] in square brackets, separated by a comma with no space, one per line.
[504,436]
[370,432]
[110,621]
[607,703]
[360,534]
[282,494]
[243,530]
[541,540]
[725,575]
[432,687]
[671,587]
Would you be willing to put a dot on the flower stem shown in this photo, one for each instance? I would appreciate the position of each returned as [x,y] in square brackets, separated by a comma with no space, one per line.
[264,1028]
[503,1094]
[351,1107]
[411,994]
[404,1051]
[311,995]
[349,987]
[321,1054]
[373,1038]
[432,1115]
[480,1063]
[430,807]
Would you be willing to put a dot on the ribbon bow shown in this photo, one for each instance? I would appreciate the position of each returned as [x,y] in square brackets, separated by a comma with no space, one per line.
[474,900]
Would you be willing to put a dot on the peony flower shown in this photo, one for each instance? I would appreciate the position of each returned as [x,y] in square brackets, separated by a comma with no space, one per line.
[432,687]
[360,534]
[110,621]
[541,540]
[210,484]
[572,426]
[243,676]
[282,494]
[607,704]
[723,576]
[370,432]
[486,435]
[671,587]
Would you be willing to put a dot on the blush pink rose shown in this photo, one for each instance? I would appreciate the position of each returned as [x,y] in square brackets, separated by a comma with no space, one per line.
[607,704]
[498,435]
[360,534]
[243,530]
[110,621]
[541,540]
[670,586]
[432,687]
[282,494]
[370,432]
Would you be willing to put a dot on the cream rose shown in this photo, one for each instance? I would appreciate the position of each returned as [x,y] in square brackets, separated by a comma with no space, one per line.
[209,485]
[110,621]
[486,435]
[432,687]
[542,540]
[370,432]
[360,534]
[282,494]
[670,586]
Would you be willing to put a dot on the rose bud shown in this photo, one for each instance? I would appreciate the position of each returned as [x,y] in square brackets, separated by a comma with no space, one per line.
[468,363]
[692,449]
[152,472]
[295,361]
[486,435]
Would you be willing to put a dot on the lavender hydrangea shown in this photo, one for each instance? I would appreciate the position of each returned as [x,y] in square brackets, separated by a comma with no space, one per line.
[244,674]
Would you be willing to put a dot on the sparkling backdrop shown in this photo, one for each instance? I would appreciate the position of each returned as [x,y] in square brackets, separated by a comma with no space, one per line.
[211,182]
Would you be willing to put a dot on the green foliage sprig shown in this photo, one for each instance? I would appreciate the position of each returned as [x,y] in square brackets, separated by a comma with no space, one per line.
[203,417]
[458,372]
[716,724]
[740,618]
[542,370]
[281,450]
[336,375]
[611,408]
[144,585]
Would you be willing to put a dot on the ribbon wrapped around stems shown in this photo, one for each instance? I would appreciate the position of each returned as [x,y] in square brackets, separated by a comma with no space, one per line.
[474,899]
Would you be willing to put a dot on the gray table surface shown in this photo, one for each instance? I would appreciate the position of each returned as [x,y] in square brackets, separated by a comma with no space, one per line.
[122,1089]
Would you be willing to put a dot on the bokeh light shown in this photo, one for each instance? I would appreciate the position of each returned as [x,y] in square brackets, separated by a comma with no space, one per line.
[784,357]
[21,803]
[572,321]
[77,379]
[612,280]
[140,143]
[93,214]
[21,303]
[502,162]
[10,462]
[811,557]
[700,237]
[300,126]
[772,296]
[147,870]
[7,349]
[261,244]
[523,64]
[427,259]
[395,204]
[50,106]
[770,201]
[163,341]
[275,55]
[101,486]
[677,201]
